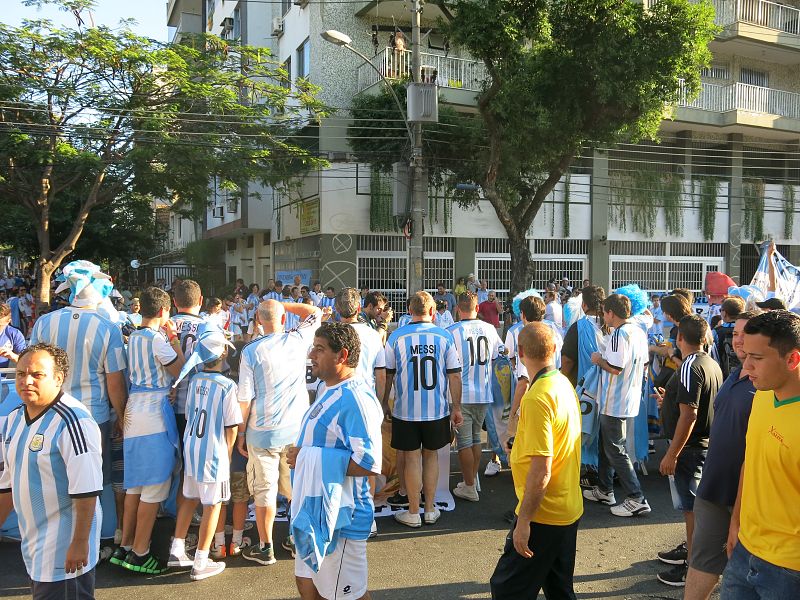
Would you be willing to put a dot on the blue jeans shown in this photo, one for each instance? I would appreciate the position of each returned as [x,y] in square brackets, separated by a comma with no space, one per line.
[747,577]
[614,457]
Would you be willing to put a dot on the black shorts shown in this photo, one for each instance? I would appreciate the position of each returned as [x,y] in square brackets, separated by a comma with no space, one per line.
[410,435]
[79,588]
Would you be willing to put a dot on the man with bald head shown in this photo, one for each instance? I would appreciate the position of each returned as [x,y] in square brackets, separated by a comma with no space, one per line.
[273,399]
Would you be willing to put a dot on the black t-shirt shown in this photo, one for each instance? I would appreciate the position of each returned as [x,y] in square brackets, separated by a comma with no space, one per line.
[695,384]
[570,350]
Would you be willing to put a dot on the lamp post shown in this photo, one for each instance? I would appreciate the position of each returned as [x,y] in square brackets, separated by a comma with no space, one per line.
[419,187]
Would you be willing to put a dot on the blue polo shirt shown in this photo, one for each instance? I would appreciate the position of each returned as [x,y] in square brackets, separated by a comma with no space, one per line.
[725,456]
[12,337]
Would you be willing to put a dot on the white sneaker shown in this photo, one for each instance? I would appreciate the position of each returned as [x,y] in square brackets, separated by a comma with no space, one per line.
[466,492]
[492,468]
[595,494]
[407,519]
[431,517]
[373,530]
[212,568]
[630,507]
[181,561]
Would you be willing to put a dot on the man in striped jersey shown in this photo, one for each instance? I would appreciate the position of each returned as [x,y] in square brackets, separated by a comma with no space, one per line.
[423,363]
[347,406]
[478,345]
[96,349]
[214,416]
[273,398]
[53,476]
[623,363]
[275,292]
[372,358]
[150,438]
[329,300]
[188,299]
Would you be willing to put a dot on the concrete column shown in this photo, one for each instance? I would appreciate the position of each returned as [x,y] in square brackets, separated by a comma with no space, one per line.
[733,259]
[686,150]
[464,249]
[599,252]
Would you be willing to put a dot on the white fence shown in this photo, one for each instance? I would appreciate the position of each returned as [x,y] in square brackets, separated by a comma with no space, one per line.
[742,96]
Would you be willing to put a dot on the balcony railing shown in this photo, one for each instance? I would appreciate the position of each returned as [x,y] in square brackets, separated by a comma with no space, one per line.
[758,12]
[741,96]
[446,71]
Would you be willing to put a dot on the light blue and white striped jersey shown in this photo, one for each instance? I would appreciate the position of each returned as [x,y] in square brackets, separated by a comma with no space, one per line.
[326,302]
[403,320]
[421,356]
[372,355]
[211,406]
[272,378]
[292,320]
[348,416]
[621,395]
[49,461]
[149,353]
[478,346]
[94,346]
[186,325]
[273,295]
[512,335]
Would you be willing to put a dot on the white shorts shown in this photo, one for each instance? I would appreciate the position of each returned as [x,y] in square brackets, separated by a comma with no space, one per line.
[209,494]
[343,574]
[152,494]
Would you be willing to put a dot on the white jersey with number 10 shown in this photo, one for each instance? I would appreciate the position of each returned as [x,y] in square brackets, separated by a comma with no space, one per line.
[478,345]
[421,356]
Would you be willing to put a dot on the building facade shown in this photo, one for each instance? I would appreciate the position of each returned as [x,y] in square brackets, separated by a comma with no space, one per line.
[724,175]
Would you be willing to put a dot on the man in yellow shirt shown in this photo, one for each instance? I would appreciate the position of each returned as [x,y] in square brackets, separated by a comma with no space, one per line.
[764,537]
[545,462]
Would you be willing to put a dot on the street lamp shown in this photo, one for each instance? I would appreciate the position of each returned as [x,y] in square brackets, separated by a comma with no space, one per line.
[419,189]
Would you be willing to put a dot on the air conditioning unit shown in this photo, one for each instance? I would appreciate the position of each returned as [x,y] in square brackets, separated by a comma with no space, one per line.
[218,212]
[227,24]
[301,3]
[277,26]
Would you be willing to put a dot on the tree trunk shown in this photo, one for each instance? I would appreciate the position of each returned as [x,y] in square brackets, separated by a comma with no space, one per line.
[45,270]
[521,264]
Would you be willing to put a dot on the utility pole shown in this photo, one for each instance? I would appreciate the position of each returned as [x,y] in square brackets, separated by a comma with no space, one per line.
[419,183]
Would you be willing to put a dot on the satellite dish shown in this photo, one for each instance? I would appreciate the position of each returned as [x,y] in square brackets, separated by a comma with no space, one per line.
[135,264]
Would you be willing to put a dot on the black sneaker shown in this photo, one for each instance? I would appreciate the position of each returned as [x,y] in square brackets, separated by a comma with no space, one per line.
[509,516]
[118,557]
[677,556]
[147,564]
[676,576]
[398,501]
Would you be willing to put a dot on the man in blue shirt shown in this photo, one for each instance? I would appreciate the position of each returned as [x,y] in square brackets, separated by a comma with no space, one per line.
[443,294]
[12,342]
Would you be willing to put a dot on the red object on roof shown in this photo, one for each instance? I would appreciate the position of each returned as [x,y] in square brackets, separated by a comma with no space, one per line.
[717,283]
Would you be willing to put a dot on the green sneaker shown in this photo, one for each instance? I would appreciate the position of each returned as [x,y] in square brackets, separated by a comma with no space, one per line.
[147,564]
[264,556]
[118,557]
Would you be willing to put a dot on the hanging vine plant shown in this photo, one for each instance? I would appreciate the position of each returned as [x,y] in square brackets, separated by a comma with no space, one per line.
[553,214]
[671,192]
[620,198]
[642,194]
[788,210]
[753,198]
[443,197]
[709,190]
[566,205]
[380,204]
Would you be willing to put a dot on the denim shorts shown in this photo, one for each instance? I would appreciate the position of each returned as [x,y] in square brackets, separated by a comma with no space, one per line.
[748,577]
[687,477]
[470,431]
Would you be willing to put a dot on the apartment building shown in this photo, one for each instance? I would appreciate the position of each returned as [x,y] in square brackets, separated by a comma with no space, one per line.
[726,170]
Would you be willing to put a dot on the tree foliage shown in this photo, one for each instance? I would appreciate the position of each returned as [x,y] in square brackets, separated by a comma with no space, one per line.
[563,75]
[97,116]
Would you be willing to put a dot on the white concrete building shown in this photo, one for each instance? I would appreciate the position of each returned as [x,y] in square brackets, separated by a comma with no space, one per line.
[740,138]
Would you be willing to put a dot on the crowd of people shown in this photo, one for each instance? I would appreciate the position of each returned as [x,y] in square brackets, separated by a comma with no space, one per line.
[172,400]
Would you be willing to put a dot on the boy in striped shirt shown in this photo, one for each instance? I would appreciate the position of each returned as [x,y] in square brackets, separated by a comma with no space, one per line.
[213,418]
[150,438]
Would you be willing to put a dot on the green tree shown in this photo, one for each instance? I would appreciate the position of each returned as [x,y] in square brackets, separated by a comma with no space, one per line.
[97,115]
[562,75]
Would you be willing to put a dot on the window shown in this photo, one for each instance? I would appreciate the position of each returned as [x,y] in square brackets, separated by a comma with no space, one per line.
[754,77]
[287,66]
[285,6]
[716,71]
[237,24]
[267,238]
[231,244]
[304,59]
[250,241]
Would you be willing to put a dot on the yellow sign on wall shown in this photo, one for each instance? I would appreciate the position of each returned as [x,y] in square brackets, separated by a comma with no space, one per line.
[309,216]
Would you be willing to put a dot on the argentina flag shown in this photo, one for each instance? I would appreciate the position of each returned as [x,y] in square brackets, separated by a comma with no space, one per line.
[787,277]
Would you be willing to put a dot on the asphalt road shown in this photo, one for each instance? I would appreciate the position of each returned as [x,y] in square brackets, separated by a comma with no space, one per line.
[451,560]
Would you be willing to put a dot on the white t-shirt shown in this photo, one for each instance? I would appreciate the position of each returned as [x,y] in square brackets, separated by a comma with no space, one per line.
[626,349]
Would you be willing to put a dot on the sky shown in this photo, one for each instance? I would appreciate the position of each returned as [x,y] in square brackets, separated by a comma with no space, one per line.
[151,15]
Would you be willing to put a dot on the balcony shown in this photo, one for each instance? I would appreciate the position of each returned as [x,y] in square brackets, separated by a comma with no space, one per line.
[187,23]
[742,104]
[750,24]
[459,79]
